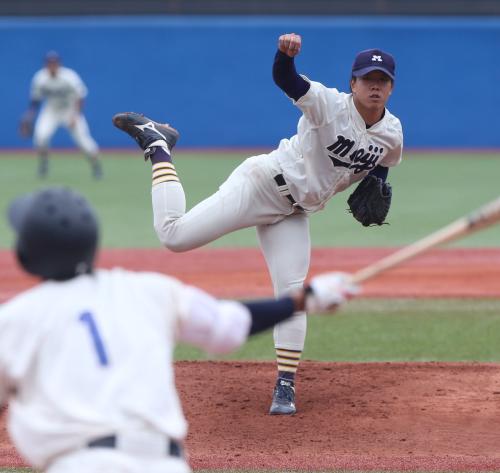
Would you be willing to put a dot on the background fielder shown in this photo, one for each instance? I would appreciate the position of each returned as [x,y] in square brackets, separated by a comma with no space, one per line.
[63,93]
[86,356]
[341,139]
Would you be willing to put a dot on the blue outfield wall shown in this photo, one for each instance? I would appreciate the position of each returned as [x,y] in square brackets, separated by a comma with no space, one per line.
[211,76]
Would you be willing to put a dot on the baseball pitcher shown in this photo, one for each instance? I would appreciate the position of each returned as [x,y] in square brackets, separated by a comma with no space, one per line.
[63,92]
[341,139]
[86,356]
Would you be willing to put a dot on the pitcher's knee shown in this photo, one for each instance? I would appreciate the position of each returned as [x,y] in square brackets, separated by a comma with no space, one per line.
[175,246]
[171,241]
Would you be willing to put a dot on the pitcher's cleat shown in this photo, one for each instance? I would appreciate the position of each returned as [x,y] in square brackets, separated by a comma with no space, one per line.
[146,131]
[283,398]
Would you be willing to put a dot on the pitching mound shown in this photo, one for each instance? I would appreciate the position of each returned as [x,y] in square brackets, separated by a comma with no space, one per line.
[369,416]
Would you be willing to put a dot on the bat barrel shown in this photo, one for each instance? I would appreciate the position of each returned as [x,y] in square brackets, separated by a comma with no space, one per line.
[485,216]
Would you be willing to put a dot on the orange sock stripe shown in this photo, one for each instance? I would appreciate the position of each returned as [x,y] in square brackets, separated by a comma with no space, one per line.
[290,365]
[293,355]
[163,173]
[163,165]
[165,179]
[288,360]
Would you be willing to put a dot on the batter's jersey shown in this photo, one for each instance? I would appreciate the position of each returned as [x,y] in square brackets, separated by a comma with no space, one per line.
[333,148]
[61,92]
[92,356]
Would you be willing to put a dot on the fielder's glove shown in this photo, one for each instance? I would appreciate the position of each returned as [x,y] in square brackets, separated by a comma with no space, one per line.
[327,291]
[26,125]
[370,201]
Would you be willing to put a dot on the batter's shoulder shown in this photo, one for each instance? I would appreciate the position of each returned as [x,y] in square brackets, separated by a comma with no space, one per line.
[146,279]
[24,304]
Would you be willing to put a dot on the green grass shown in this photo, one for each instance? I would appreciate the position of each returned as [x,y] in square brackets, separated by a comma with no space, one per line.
[392,330]
[429,192]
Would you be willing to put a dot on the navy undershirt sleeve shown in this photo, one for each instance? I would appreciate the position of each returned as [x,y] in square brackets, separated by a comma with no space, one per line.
[267,313]
[286,78]
[380,171]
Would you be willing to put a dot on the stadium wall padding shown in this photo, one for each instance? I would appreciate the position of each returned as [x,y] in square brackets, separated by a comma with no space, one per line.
[211,76]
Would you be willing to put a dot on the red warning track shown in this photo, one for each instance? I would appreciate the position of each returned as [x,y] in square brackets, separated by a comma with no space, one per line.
[242,272]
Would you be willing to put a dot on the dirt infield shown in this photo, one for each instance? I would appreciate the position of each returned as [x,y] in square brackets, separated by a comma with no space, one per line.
[364,416]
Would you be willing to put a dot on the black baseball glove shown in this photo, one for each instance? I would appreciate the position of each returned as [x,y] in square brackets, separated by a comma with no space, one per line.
[370,201]
[26,125]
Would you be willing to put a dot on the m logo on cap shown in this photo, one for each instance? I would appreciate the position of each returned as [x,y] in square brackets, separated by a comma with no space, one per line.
[373,60]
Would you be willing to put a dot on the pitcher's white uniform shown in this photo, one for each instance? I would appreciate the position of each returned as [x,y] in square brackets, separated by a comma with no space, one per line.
[92,356]
[61,94]
[331,150]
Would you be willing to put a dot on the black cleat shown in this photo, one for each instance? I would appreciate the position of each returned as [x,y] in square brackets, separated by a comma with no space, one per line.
[283,398]
[144,130]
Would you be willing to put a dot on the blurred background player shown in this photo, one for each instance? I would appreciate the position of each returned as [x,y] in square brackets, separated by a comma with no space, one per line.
[86,356]
[341,139]
[63,93]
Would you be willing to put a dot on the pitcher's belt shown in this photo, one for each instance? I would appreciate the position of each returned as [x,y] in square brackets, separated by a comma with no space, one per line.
[284,191]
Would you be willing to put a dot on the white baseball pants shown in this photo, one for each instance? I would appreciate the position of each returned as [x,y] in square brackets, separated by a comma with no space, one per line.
[249,197]
[50,120]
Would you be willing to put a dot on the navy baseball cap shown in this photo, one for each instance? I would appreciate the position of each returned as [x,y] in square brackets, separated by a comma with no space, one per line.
[52,56]
[374,60]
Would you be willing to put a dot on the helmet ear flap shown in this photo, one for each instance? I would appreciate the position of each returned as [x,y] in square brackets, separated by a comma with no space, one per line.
[23,260]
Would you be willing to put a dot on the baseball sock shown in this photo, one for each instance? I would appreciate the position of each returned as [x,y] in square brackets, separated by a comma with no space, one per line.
[288,362]
[95,163]
[43,163]
[161,159]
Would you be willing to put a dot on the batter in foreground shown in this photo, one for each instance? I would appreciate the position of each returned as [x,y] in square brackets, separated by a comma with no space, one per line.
[341,138]
[86,356]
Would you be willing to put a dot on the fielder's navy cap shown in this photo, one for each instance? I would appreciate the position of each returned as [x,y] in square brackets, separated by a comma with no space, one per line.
[52,56]
[374,60]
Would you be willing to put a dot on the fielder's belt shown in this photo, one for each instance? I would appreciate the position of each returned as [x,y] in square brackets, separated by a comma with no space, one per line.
[172,448]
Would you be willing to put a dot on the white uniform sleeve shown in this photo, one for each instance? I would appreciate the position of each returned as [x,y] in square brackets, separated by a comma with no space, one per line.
[78,84]
[217,327]
[36,91]
[320,104]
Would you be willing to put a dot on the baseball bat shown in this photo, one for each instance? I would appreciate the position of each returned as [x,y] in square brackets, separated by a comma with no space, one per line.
[485,216]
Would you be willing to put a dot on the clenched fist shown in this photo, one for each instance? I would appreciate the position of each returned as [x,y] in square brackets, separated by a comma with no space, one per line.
[290,44]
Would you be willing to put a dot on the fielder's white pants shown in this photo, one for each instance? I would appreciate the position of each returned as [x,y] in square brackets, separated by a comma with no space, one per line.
[107,460]
[248,198]
[49,120]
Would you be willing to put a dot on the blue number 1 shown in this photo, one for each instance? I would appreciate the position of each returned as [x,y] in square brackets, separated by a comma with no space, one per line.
[87,318]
